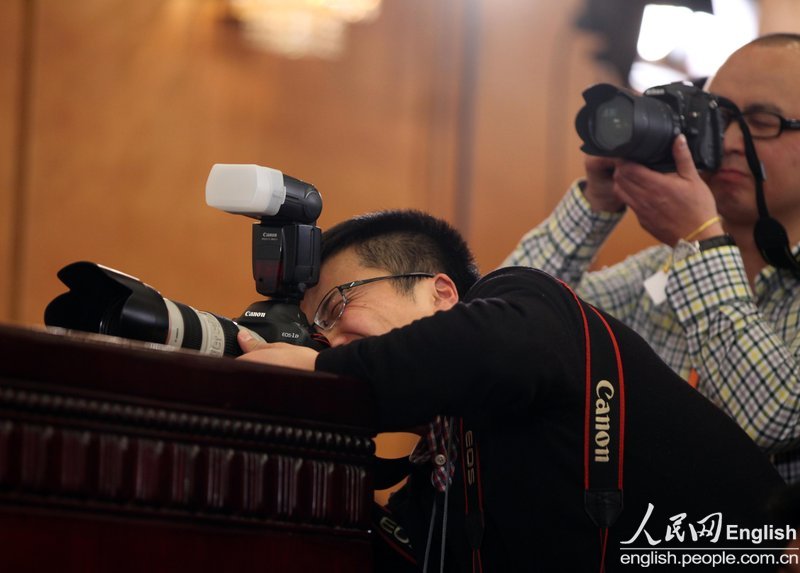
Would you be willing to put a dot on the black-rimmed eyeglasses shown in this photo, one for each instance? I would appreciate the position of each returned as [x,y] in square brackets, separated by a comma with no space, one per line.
[332,306]
[765,124]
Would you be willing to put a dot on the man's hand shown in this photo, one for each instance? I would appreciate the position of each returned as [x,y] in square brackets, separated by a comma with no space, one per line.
[276,353]
[669,206]
[600,184]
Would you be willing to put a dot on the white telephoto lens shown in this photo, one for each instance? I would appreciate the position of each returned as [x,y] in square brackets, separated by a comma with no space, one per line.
[249,190]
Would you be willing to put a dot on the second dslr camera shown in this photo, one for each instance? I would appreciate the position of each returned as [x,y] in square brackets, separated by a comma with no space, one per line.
[616,123]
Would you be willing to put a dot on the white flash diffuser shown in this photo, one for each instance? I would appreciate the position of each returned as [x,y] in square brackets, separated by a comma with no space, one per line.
[249,190]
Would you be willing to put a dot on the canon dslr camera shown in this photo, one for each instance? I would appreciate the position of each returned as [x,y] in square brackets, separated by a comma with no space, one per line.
[616,123]
[286,261]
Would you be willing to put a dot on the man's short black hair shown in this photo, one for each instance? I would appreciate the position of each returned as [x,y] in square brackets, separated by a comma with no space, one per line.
[405,241]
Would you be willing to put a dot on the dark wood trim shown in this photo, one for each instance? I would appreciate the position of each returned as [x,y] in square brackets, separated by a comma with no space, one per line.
[117,439]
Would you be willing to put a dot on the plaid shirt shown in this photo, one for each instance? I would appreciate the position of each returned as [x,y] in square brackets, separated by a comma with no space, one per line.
[745,347]
[433,448]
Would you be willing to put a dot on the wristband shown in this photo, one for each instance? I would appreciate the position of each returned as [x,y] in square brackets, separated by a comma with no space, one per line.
[714,242]
[686,248]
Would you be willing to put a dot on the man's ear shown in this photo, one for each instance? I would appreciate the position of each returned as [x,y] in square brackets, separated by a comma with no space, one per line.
[444,291]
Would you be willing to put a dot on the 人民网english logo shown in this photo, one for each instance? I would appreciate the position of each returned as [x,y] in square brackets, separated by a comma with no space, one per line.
[682,540]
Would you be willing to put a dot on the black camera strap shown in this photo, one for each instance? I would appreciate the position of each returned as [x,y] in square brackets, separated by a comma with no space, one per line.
[473,494]
[603,451]
[604,422]
[604,438]
[771,237]
[392,533]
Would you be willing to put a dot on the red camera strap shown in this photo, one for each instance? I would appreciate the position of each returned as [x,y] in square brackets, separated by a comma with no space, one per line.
[604,422]
[604,442]
[604,437]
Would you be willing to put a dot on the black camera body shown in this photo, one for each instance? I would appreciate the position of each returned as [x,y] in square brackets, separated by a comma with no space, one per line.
[616,123]
[286,262]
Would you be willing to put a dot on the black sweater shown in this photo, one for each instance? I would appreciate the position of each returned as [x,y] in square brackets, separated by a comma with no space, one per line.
[509,359]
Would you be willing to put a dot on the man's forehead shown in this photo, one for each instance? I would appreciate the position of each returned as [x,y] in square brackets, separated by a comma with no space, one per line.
[342,264]
[764,76]
[343,267]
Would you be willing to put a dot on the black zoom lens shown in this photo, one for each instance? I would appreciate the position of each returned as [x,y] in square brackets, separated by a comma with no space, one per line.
[614,123]
[106,301]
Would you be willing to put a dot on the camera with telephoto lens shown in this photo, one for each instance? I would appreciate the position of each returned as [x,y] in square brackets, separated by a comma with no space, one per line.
[286,260]
[616,123]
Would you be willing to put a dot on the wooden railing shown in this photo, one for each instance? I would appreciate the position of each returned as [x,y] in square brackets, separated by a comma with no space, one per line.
[123,457]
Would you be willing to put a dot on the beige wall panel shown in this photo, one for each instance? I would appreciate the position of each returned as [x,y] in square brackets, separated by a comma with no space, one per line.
[136,100]
[533,68]
[11,27]
[780,16]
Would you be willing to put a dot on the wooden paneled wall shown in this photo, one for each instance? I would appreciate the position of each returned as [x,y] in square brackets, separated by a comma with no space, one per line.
[112,113]
[11,36]
[779,16]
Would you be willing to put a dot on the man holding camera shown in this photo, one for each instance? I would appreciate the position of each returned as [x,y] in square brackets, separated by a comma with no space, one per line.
[553,438]
[705,300]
